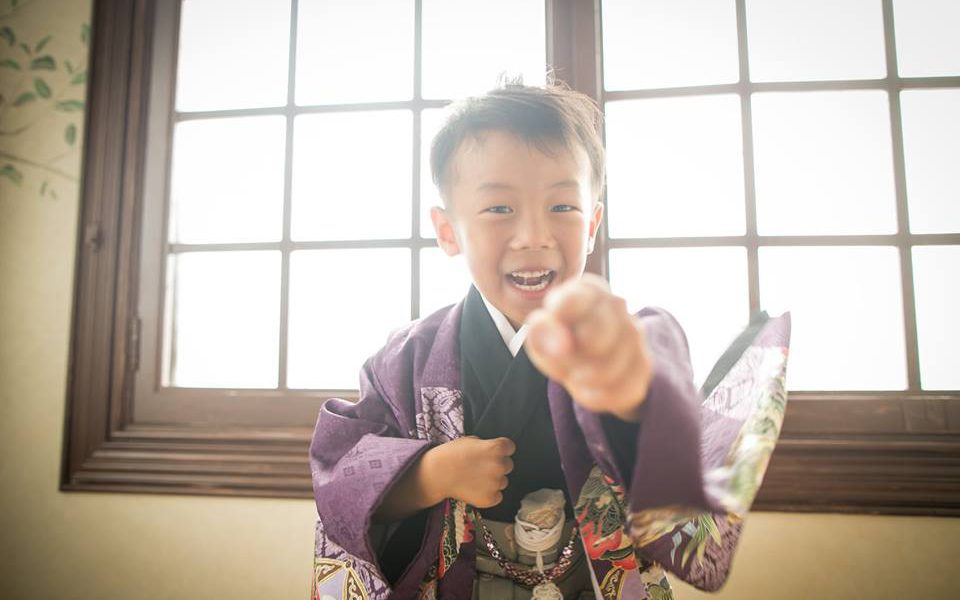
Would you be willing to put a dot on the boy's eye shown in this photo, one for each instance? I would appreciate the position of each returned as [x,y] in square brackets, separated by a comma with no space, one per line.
[502,210]
[563,208]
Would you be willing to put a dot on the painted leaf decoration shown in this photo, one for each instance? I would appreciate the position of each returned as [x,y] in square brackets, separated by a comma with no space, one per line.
[26,48]
[698,539]
[592,488]
[10,63]
[11,173]
[612,519]
[70,105]
[43,90]
[80,77]
[24,98]
[41,44]
[85,33]
[618,554]
[655,592]
[711,526]
[7,34]
[44,62]
[69,66]
[70,134]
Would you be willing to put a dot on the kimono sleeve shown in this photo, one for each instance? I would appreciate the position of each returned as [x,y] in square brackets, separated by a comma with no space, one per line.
[357,454]
[665,468]
[698,463]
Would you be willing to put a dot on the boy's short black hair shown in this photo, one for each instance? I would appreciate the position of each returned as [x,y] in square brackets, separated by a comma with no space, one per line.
[542,116]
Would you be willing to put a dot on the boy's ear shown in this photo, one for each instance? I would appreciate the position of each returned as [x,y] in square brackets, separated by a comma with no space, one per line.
[595,219]
[442,224]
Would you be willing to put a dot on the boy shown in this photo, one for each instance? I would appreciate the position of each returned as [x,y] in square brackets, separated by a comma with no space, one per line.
[538,380]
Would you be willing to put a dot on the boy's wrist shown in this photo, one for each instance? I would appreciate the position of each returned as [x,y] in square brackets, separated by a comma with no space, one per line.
[432,477]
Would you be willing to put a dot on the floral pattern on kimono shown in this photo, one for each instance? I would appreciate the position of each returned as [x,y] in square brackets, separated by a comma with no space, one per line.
[441,414]
[601,515]
[441,420]
[702,544]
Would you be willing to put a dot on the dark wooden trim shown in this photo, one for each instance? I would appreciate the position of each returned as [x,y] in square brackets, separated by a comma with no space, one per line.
[104,447]
[890,452]
[98,353]
[894,453]
[574,54]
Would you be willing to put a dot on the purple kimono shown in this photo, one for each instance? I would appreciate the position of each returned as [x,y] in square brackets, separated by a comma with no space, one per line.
[697,465]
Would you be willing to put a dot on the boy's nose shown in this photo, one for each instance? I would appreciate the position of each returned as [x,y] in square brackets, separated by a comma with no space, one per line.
[533,232]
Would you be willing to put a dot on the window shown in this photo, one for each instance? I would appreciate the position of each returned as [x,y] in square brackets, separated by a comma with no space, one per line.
[289,186]
[745,170]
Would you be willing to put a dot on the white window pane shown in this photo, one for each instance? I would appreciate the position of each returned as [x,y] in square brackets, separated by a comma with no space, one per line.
[675,167]
[354,51]
[847,311]
[936,278]
[669,43]
[823,163]
[226,319]
[931,143]
[443,279]
[220,191]
[927,40]
[467,45]
[431,120]
[815,40]
[352,175]
[233,54]
[704,288]
[343,306]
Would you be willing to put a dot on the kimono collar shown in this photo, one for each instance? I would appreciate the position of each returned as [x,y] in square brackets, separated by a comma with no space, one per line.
[512,338]
[439,363]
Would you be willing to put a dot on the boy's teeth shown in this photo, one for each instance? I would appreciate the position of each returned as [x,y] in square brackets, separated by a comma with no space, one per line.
[531,280]
[529,274]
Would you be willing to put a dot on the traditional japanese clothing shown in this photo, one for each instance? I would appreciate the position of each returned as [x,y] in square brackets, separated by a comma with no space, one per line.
[668,494]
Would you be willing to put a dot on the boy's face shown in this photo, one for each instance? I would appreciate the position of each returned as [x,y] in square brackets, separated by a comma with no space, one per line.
[524,220]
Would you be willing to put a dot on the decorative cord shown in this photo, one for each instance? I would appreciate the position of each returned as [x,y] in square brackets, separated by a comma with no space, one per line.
[523,575]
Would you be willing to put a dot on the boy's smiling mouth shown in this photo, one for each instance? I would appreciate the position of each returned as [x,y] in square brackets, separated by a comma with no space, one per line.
[531,281]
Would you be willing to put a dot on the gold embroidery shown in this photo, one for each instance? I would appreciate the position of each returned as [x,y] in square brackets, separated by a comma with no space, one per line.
[326,568]
[352,588]
[612,584]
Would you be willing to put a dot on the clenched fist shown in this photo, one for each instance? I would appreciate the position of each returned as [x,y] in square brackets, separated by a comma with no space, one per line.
[471,469]
[585,338]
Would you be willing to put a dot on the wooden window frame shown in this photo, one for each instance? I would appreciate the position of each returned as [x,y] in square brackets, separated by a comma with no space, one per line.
[883,452]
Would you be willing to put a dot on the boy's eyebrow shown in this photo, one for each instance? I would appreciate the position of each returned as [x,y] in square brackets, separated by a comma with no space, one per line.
[566,183]
[497,186]
[494,186]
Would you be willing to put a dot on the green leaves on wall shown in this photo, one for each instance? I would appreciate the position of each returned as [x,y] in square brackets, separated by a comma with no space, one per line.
[44,77]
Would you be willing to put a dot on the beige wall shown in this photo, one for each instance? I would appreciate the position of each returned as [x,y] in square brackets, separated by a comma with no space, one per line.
[117,546]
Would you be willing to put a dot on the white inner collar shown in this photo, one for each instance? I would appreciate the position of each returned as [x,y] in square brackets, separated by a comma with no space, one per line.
[512,338]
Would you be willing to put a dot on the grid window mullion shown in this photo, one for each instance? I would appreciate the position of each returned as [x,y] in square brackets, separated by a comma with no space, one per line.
[903,240]
[287,200]
[749,173]
[903,213]
[415,219]
[417,142]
